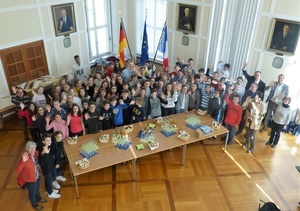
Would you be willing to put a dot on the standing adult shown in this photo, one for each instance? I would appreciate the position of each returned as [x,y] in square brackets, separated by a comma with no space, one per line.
[65,22]
[254,79]
[17,98]
[280,120]
[30,174]
[255,110]
[79,70]
[279,90]
[126,73]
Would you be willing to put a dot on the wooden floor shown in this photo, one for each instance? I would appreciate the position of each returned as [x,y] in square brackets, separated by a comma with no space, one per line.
[210,180]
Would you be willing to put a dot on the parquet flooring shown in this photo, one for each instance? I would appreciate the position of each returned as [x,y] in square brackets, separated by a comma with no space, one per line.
[210,179]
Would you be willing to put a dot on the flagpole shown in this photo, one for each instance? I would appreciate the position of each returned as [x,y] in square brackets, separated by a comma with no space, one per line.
[159,41]
[126,37]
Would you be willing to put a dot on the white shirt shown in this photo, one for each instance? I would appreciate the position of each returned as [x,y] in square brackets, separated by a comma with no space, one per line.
[80,72]
[277,92]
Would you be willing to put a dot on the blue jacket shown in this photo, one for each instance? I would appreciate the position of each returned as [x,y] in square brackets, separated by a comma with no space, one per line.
[118,113]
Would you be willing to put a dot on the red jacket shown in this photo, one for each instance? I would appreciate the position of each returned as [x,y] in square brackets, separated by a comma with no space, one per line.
[26,171]
[25,114]
[234,113]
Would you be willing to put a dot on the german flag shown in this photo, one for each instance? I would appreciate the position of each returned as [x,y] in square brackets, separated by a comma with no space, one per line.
[122,45]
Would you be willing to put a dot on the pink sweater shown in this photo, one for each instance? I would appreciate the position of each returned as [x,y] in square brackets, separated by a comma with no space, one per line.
[61,125]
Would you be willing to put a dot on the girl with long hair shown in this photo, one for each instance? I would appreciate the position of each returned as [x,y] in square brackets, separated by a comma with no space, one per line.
[75,121]
[30,115]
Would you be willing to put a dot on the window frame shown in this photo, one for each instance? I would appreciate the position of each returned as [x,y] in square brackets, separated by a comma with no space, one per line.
[95,28]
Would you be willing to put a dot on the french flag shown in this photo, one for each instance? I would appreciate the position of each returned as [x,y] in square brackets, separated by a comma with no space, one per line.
[163,46]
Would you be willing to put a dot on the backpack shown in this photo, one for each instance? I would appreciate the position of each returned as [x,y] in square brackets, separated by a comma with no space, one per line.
[268,206]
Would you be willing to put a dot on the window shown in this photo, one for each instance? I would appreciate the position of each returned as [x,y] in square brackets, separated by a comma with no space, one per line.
[99,28]
[156,16]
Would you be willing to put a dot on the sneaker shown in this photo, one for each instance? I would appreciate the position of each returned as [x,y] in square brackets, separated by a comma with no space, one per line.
[56,185]
[43,200]
[238,133]
[249,151]
[38,207]
[53,190]
[268,143]
[61,178]
[214,137]
[273,146]
[54,195]
[263,130]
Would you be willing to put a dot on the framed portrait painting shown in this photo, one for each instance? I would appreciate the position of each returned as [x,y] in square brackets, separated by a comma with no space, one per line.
[186,18]
[64,19]
[284,36]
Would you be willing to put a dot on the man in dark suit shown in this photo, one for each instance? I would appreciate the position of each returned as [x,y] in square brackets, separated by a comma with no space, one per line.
[282,40]
[279,90]
[254,79]
[65,23]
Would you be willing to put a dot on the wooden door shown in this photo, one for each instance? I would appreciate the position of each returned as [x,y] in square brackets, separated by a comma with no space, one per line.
[24,63]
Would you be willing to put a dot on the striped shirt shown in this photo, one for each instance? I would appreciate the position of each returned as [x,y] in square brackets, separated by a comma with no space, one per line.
[17,100]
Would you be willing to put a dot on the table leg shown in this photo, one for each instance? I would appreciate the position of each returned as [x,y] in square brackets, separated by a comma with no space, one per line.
[226,141]
[183,155]
[133,169]
[71,172]
[76,185]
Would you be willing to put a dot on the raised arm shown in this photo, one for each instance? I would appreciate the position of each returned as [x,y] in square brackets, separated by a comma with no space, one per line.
[247,76]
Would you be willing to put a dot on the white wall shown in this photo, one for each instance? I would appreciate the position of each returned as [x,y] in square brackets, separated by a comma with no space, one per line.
[26,21]
[197,48]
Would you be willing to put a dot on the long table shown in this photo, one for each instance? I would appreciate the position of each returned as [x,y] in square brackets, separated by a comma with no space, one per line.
[109,155]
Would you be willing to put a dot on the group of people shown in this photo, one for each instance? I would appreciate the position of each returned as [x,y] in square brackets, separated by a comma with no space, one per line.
[44,158]
[112,97]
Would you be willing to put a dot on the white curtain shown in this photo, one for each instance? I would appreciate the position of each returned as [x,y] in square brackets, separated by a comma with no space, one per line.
[234,33]
[213,49]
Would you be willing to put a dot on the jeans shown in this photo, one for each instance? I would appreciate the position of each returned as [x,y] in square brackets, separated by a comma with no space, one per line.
[48,183]
[243,122]
[54,171]
[34,192]
[231,132]
[180,111]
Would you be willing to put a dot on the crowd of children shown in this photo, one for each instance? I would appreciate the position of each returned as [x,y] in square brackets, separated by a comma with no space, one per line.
[112,97]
